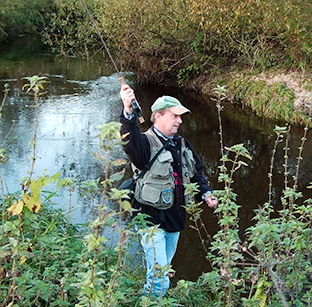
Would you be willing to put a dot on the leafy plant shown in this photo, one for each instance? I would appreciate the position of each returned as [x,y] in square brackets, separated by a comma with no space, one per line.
[44,259]
[47,261]
[22,17]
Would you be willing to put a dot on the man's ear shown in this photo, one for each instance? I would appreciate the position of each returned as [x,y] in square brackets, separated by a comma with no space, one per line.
[157,115]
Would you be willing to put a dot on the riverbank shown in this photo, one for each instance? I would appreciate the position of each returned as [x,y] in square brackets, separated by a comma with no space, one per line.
[279,95]
[232,43]
[283,96]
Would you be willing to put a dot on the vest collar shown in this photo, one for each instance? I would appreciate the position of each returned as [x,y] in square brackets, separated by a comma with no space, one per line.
[164,136]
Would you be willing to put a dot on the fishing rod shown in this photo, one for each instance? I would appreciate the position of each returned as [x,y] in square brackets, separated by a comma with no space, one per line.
[135,105]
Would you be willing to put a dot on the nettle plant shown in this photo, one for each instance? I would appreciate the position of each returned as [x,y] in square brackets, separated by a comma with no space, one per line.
[272,266]
[47,261]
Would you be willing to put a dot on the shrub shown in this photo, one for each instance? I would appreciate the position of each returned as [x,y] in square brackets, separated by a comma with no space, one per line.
[23,17]
[158,39]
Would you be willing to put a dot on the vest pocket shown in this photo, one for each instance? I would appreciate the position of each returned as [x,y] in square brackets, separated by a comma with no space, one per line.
[161,168]
[158,196]
[156,187]
[149,193]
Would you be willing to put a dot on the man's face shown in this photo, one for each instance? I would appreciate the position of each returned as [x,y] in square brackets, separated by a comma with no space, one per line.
[168,123]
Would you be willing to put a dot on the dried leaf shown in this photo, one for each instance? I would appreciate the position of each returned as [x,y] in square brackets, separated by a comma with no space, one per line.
[16,208]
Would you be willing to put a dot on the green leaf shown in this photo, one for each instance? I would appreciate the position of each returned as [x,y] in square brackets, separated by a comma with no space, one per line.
[119,162]
[98,156]
[117,176]
[126,206]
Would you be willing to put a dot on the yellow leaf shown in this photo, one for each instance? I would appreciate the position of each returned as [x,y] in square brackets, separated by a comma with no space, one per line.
[23,259]
[236,282]
[16,208]
[32,203]
[35,187]
[119,162]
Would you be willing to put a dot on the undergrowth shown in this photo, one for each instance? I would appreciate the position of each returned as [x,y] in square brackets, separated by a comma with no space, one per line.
[47,261]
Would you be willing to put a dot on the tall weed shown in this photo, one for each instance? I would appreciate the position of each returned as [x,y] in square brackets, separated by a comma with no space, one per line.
[271,265]
[44,259]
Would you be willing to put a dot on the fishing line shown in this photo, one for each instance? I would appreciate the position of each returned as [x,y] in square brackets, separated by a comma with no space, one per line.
[135,104]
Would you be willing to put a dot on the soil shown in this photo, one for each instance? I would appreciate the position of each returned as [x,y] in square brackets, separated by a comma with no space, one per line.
[292,80]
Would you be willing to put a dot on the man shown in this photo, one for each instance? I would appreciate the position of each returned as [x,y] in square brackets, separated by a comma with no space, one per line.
[160,193]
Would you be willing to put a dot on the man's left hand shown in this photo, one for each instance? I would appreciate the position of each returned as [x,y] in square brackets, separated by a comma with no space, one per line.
[211,201]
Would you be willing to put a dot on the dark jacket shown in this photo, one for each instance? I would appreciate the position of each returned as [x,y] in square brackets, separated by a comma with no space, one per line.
[138,151]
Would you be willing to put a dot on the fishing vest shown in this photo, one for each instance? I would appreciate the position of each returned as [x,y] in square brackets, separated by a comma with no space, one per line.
[156,187]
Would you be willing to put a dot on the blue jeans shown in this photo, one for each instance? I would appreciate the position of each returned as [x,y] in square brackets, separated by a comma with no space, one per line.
[159,250]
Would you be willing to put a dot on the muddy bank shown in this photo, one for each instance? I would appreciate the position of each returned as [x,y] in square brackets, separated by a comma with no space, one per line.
[279,95]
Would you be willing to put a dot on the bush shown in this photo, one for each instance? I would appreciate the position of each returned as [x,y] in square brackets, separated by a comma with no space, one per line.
[157,39]
[23,17]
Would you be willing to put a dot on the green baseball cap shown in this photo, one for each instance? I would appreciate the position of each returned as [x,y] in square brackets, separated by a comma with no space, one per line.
[171,103]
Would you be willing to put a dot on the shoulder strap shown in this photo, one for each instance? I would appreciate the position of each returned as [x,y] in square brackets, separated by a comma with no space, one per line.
[183,143]
[150,163]
[153,139]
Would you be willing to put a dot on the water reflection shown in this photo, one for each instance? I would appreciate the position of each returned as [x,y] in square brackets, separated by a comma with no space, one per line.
[79,99]
[66,134]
